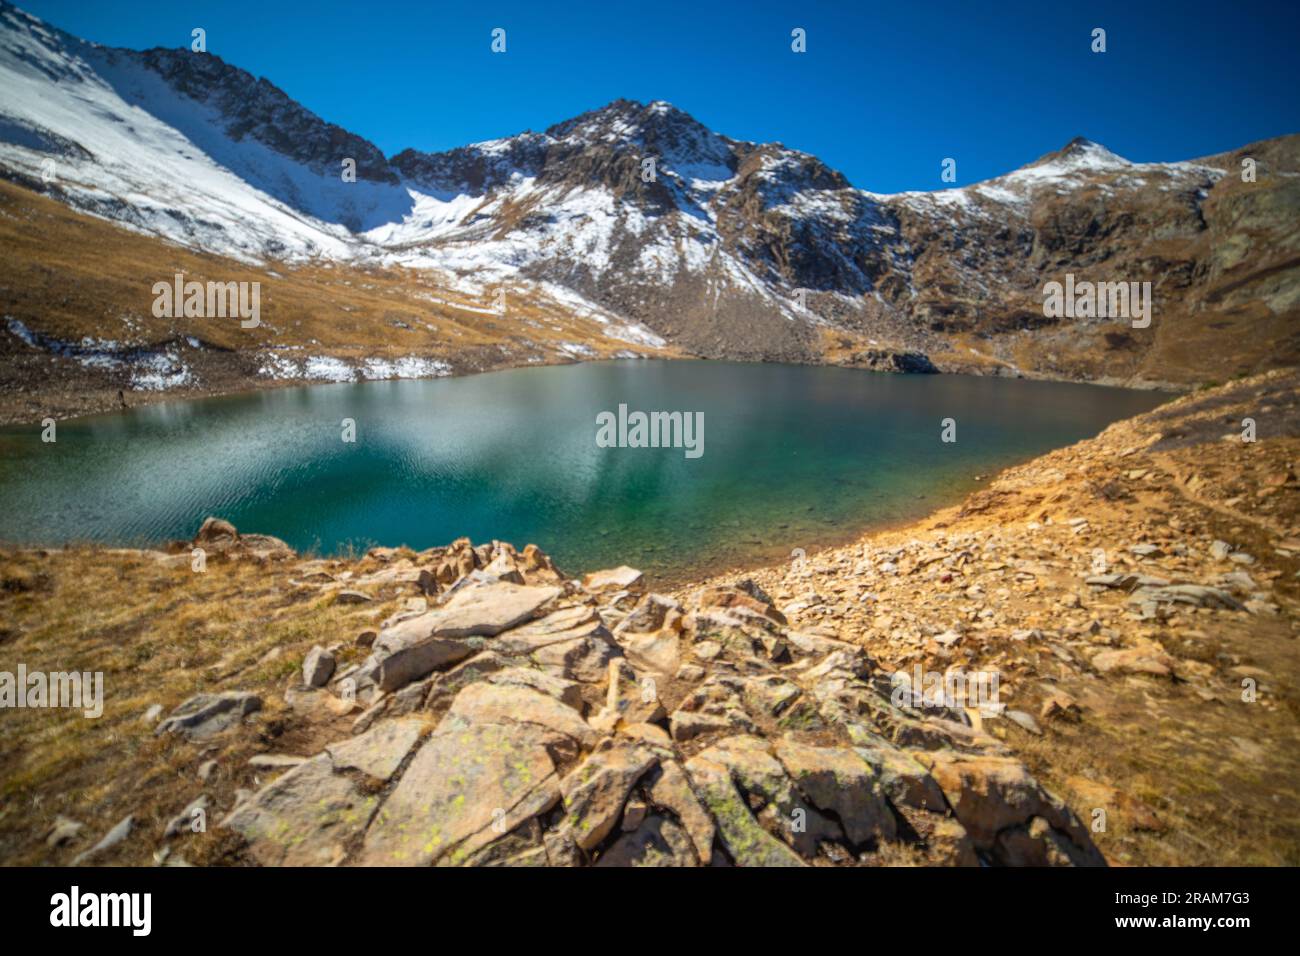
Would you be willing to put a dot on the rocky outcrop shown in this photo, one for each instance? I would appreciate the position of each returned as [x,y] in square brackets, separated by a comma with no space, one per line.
[253,108]
[1135,595]
[525,723]
[217,536]
[883,360]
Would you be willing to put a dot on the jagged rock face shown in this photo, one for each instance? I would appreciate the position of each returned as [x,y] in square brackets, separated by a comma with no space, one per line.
[253,107]
[806,224]
[606,147]
[709,250]
[1078,210]
[476,169]
[730,248]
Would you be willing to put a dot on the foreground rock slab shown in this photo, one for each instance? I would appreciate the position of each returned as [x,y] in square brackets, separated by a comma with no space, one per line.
[206,715]
[305,818]
[490,609]
[468,786]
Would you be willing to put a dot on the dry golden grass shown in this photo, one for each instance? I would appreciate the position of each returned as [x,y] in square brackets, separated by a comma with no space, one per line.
[159,635]
[54,284]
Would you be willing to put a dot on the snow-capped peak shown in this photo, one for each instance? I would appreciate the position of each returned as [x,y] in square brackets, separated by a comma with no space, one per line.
[1081,154]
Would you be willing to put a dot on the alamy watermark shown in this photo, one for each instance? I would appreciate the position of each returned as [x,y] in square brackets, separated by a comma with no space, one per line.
[955,688]
[1098,300]
[75,908]
[211,300]
[651,430]
[37,689]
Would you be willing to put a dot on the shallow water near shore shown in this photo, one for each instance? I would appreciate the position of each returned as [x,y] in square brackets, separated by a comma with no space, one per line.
[793,457]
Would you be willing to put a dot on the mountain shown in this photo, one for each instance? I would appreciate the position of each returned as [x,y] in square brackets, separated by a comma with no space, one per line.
[730,249]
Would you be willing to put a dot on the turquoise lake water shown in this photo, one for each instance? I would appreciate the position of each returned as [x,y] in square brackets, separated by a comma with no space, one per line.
[793,456]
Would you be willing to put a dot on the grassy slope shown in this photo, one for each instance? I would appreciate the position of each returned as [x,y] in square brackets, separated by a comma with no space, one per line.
[52,283]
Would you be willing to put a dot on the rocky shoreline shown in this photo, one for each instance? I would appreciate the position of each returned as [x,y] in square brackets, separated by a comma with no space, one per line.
[36,387]
[473,705]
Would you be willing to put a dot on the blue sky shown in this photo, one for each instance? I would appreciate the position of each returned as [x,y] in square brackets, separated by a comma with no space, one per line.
[885,92]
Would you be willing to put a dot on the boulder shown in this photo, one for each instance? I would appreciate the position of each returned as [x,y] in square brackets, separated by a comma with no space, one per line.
[1061,706]
[537,567]
[838,781]
[65,830]
[275,761]
[524,707]
[655,842]
[266,546]
[990,794]
[317,667]
[734,597]
[595,791]
[118,834]
[1036,843]
[768,694]
[649,615]
[216,531]
[1134,660]
[745,841]
[469,785]
[763,779]
[489,609]
[444,687]
[352,597]
[903,779]
[1024,720]
[558,627]
[1196,595]
[716,704]
[634,814]
[571,644]
[628,699]
[949,844]
[380,750]
[411,649]
[687,725]
[206,715]
[566,691]
[669,789]
[307,817]
[621,578]
[183,822]
[504,567]
[659,651]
